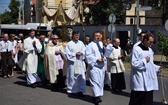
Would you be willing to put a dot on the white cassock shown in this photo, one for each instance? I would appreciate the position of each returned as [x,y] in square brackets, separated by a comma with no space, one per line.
[52,62]
[108,50]
[32,59]
[76,81]
[96,69]
[143,74]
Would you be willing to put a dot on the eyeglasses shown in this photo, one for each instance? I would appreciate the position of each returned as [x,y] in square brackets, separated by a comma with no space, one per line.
[54,38]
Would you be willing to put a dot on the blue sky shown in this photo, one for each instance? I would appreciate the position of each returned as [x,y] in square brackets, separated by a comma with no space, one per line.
[4,5]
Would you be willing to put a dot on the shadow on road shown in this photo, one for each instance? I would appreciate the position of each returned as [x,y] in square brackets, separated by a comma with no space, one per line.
[23,83]
[123,93]
[158,103]
[22,78]
[87,98]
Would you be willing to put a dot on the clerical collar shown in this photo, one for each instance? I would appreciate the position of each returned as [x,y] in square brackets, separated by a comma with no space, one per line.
[76,41]
[143,47]
[5,40]
[96,41]
[32,37]
[86,43]
[115,47]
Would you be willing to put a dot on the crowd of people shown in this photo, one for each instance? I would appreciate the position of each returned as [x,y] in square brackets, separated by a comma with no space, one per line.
[47,60]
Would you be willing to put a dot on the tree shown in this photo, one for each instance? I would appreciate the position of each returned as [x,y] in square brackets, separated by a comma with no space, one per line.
[163,44]
[101,11]
[14,7]
[165,12]
[12,16]
[6,18]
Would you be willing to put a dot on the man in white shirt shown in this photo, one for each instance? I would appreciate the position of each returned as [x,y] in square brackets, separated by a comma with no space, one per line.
[6,51]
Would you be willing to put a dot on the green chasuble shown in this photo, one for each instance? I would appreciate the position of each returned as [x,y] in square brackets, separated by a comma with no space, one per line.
[40,69]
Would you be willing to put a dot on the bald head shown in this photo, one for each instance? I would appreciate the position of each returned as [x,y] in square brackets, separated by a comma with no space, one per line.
[20,35]
[5,37]
[116,42]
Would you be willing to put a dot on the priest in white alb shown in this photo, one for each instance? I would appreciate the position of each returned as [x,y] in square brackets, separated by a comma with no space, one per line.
[32,47]
[96,66]
[75,53]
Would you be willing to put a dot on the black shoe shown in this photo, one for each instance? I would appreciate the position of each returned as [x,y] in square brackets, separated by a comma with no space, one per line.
[72,95]
[34,85]
[39,83]
[106,86]
[114,91]
[96,100]
[119,90]
[80,94]
[54,89]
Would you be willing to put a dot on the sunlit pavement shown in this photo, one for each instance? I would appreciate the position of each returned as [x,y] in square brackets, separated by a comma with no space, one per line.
[14,91]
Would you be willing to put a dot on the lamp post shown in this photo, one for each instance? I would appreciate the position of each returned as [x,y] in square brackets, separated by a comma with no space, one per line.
[142,8]
[23,12]
[137,13]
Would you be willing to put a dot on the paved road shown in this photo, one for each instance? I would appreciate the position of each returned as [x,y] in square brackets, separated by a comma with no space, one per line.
[14,91]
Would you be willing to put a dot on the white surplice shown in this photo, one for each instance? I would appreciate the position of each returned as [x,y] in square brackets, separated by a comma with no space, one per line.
[75,67]
[32,59]
[96,69]
[117,65]
[143,74]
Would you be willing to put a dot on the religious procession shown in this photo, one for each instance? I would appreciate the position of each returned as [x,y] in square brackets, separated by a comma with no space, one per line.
[59,64]
[68,61]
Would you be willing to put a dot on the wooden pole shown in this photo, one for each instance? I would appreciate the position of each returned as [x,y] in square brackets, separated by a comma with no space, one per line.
[83,26]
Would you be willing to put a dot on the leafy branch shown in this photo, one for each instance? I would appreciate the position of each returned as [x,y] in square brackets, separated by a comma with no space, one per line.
[163,44]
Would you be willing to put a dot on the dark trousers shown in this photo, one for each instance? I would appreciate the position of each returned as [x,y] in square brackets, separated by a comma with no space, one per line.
[60,79]
[60,84]
[7,63]
[118,81]
[20,54]
[141,98]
